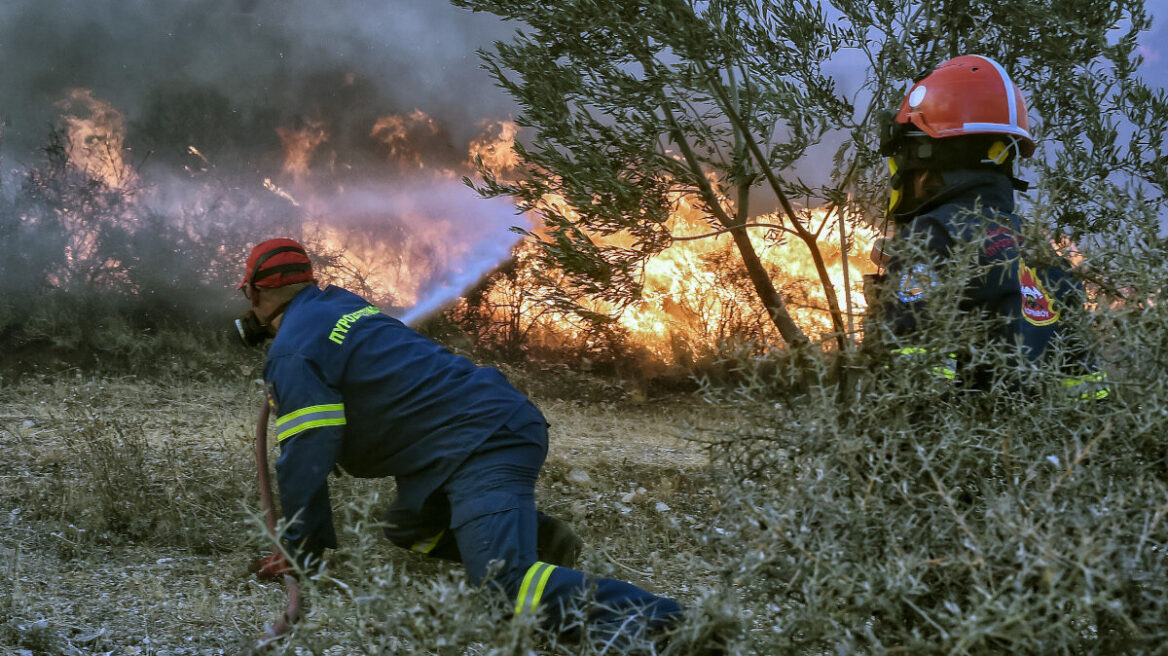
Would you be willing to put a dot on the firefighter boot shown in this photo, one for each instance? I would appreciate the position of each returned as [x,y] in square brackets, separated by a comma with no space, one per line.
[556,543]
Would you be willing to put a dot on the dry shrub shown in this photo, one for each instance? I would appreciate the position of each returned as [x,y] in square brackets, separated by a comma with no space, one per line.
[111,479]
[375,598]
[911,515]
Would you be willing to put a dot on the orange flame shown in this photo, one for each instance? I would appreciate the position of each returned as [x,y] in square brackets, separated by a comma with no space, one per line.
[400,132]
[96,134]
[299,145]
[694,292]
[494,146]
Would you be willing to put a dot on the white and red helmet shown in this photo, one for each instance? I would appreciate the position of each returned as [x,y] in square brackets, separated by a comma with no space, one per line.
[967,95]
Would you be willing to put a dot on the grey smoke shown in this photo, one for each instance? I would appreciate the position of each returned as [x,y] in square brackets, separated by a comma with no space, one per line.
[255,52]
[222,75]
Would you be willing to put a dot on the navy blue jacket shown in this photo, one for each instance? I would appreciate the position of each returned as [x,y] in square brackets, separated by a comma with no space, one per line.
[975,206]
[357,388]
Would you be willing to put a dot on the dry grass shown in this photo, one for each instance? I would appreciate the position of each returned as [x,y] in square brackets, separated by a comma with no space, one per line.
[131,515]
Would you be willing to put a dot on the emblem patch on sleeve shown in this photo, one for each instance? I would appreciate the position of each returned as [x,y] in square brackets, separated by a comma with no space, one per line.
[913,284]
[270,391]
[1037,306]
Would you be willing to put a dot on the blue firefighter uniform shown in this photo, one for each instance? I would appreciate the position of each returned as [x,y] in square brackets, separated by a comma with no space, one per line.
[356,388]
[978,206]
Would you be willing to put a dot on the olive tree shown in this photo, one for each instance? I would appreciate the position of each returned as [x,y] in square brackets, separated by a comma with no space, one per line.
[633,106]
[636,106]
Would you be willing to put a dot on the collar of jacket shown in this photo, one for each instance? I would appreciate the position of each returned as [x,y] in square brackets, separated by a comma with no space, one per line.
[305,294]
[967,186]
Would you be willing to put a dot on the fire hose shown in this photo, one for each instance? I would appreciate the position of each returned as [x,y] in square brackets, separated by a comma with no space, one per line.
[283,625]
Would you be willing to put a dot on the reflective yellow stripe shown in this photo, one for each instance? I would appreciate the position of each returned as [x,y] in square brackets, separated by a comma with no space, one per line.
[948,370]
[426,546]
[529,596]
[314,416]
[1097,379]
[311,424]
[522,597]
[543,579]
[948,373]
[303,411]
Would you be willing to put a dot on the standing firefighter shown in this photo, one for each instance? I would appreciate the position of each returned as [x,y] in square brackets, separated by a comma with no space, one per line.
[952,146]
[356,389]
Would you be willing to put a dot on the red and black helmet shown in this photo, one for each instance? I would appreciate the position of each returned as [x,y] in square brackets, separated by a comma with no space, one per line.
[275,263]
[966,95]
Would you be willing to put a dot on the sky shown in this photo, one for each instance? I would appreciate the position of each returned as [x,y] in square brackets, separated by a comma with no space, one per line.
[1154,45]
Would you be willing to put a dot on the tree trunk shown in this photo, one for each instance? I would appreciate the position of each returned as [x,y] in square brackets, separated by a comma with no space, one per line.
[847,276]
[766,291]
[801,231]
[775,306]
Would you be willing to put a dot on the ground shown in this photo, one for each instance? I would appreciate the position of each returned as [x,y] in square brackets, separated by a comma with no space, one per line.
[130,515]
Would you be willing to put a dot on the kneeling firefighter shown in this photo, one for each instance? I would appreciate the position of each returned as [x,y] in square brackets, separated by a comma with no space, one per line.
[952,146]
[355,389]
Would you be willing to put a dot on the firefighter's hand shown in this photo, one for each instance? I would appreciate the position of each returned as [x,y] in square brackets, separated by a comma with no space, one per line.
[271,568]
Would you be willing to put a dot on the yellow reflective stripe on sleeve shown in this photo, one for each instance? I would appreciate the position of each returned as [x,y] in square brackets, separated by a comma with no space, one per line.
[303,411]
[534,583]
[426,546]
[1097,381]
[1097,377]
[314,416]
[947,370]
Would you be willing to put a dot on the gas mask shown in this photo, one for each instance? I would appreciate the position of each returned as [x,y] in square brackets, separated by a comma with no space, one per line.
[251,331]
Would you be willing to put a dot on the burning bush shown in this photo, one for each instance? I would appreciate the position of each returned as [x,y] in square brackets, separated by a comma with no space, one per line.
[87,269]
[695,308]
[159,250]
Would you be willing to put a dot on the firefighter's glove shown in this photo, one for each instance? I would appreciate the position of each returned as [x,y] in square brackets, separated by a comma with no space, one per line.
[272,568]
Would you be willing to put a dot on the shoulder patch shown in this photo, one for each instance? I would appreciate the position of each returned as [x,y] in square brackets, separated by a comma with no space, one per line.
[1037,306]
[270,391]
[914,283]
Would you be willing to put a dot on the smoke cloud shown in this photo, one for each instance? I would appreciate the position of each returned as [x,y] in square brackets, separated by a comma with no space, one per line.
[353,116]
[292,56]
[224,88]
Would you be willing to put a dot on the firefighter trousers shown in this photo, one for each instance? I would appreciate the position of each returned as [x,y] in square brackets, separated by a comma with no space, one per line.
[488,505]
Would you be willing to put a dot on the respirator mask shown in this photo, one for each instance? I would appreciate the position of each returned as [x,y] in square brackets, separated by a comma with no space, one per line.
[251,331]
